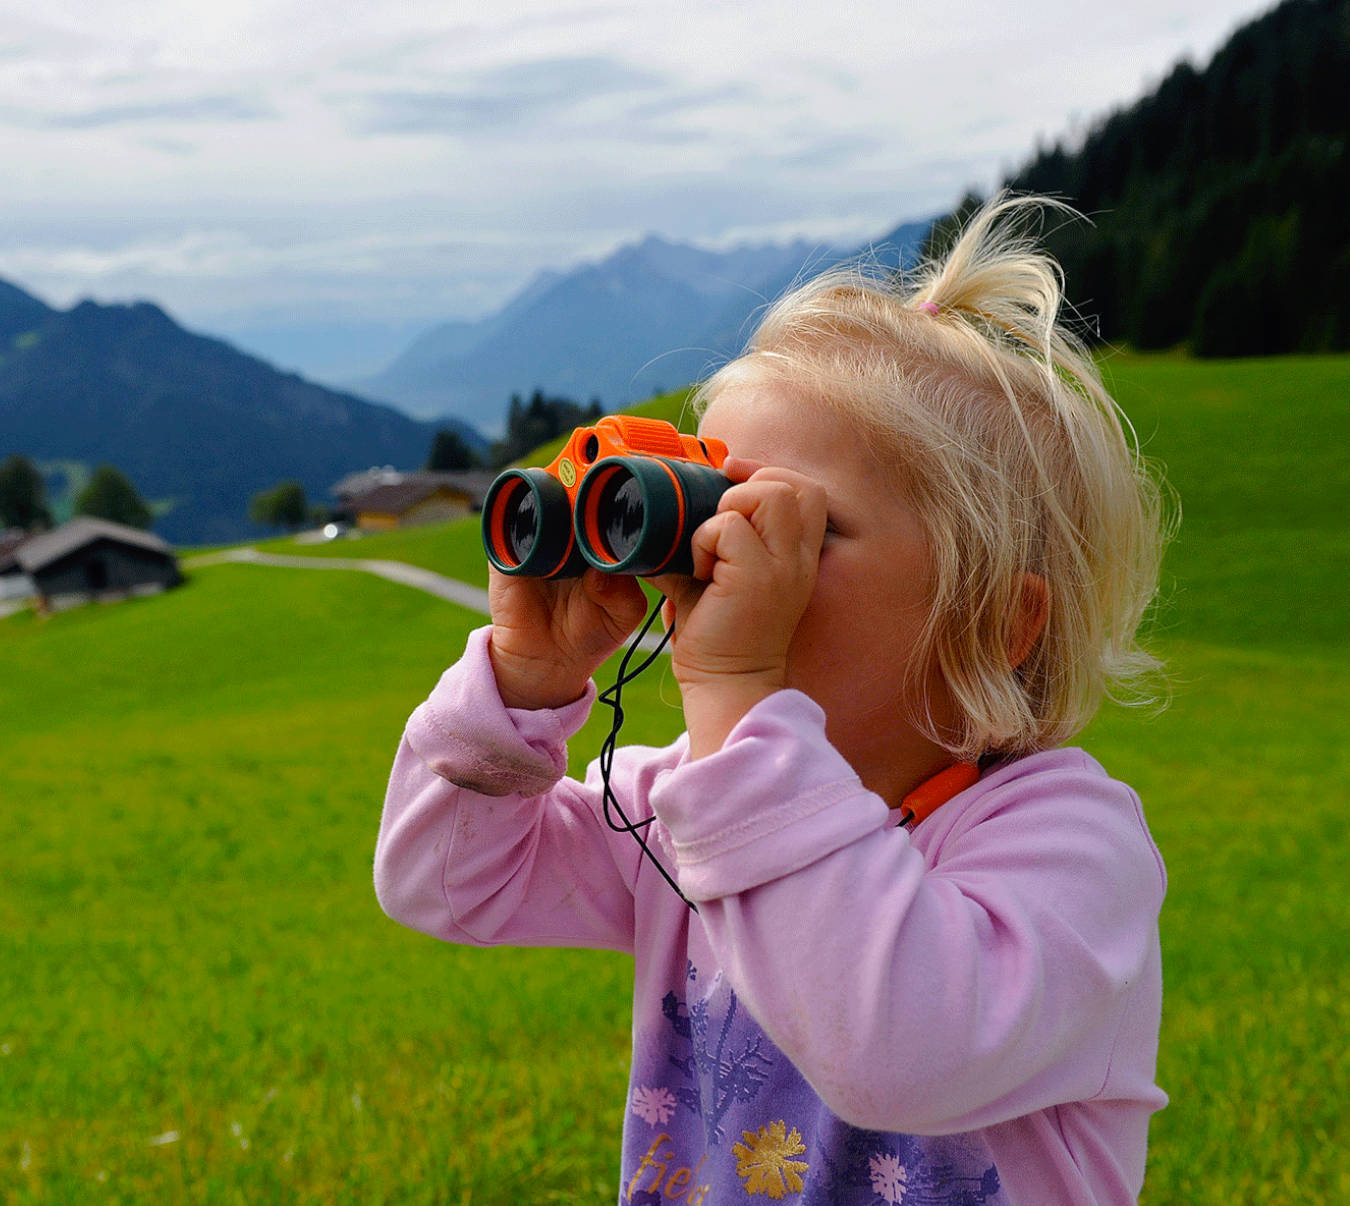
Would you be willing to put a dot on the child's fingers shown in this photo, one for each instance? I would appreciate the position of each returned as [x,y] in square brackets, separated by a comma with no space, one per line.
[739,552]
[741,469]
[570,622]
[617,599]
[754,568]
[717,539]
[786,510]
[771,483]
[704,545]
[681,593]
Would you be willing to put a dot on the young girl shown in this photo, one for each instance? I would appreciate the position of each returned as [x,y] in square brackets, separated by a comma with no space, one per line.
[925,964]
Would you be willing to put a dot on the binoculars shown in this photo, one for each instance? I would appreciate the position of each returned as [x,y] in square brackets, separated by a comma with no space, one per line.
[624,496]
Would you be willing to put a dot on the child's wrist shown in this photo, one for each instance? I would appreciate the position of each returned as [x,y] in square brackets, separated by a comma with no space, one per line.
[533,684]
[715,706]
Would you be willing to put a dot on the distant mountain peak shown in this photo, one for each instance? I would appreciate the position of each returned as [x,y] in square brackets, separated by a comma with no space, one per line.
[11,294]
[139,313]
[20,311]
[653,314]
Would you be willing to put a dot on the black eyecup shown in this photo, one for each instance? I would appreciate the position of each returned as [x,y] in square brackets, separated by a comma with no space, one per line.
[554,553]
[663,545]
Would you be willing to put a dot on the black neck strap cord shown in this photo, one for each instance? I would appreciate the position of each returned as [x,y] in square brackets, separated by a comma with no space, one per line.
[612,697]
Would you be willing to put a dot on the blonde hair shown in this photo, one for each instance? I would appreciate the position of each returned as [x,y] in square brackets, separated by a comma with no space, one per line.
[1015,458]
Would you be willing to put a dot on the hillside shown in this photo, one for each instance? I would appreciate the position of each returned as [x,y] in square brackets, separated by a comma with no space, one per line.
[192,421]
[205,1004]
[1218,200]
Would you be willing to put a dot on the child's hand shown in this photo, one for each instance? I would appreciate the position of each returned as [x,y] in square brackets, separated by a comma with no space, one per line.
[550,636]
[755,566]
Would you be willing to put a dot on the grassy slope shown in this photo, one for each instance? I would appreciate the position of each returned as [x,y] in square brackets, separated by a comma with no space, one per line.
[1247,776]
[188,941]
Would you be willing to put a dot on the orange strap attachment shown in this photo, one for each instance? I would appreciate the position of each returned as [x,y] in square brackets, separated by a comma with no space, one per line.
[932,793]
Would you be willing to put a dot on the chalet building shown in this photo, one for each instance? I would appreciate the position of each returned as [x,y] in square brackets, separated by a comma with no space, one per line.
[88,559]
[384,499]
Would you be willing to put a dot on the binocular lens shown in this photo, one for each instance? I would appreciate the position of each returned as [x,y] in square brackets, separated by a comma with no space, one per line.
[527,526]
[624,515]
[636,514]
[521,523]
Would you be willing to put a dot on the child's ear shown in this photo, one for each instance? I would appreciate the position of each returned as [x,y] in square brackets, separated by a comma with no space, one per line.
[1031,606]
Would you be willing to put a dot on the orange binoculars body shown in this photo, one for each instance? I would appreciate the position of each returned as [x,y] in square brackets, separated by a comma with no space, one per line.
[624,496]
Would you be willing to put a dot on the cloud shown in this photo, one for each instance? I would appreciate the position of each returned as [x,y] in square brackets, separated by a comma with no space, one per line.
[529,94]
[234,254]
[212,109]
[398,275]
[829,153]
[694,100]
[424,159]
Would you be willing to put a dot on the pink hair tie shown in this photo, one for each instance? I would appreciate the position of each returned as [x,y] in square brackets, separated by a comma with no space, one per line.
[929,307]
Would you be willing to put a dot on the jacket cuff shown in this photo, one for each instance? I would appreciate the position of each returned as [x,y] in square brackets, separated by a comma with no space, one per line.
[777,776]
[465,734]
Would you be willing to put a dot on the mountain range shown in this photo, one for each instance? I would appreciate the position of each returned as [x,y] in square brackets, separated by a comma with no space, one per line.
[1220,190]
[652,316]
[197,425]
[200,426]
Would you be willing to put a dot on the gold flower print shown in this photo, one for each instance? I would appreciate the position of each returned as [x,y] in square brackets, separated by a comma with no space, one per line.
[762,1160]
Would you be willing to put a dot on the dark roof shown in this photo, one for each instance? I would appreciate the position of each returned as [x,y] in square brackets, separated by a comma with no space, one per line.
[396,497]
[51,546]
[468,481]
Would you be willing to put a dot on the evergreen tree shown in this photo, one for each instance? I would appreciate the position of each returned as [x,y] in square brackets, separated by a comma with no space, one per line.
[1217,201]
[110,495]
[541,419]
[283,506]
[450,453]
[22,495]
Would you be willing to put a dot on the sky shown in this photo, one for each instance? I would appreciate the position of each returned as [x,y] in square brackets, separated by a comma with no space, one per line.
[269,169]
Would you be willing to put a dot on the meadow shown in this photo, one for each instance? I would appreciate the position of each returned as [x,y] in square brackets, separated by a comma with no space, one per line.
[200,1000]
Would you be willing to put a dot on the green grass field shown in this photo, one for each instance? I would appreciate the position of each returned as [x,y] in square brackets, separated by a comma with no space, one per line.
[200,1000]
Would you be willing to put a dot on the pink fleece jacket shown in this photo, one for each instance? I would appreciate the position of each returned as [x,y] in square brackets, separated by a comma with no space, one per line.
[964,1014]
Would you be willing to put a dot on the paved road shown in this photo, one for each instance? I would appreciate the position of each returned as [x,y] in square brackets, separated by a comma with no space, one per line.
[475,598]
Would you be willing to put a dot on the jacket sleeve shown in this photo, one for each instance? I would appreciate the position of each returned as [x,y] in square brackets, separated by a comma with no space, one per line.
[483,841]
[919,998]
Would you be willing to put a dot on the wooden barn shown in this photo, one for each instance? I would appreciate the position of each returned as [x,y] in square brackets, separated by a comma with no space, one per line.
[89,559]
